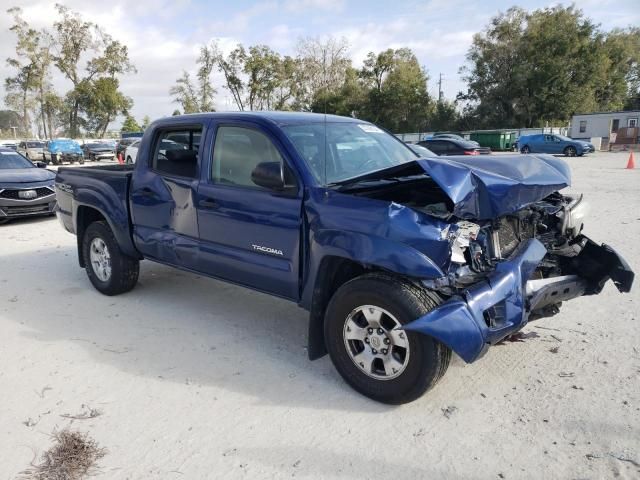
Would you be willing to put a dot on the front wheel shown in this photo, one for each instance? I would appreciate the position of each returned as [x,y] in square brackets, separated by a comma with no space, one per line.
[110,271]
[570,151]
[369,349]
[525,149]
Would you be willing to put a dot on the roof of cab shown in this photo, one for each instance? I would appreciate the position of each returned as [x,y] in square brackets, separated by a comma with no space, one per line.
[278,118]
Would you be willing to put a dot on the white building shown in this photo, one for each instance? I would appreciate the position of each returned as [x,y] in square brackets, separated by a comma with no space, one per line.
[593,125]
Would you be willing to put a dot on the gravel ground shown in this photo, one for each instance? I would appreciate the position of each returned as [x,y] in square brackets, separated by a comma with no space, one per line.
[187,377]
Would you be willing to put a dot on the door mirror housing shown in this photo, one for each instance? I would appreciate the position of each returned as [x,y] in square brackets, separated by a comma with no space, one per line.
[269,175]
[41,165]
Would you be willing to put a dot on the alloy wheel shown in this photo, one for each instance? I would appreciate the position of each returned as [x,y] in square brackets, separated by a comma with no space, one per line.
[375,343]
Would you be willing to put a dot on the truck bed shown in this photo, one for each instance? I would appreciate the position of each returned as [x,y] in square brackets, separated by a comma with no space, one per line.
[84,192]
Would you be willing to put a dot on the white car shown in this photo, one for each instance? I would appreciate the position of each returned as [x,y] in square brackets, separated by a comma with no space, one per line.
[131,152]
[32,149]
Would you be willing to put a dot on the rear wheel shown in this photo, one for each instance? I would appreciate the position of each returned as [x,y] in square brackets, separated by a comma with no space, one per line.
[367,346]
[525,149]
[54,159]
[129,160]
[570,151]
[111,272]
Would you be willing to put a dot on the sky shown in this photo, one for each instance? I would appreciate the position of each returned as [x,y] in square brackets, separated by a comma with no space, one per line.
[163,36]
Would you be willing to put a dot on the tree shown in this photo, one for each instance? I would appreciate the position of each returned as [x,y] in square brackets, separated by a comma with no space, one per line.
[130,124]
[75,38]
[533,68]
[323,63]
[206,92]
[146,121]
[231,67]
[184,93]
[100,101]
[175,112]
[397,97]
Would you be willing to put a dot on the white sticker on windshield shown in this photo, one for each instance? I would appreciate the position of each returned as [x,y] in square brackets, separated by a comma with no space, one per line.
[369,128]
[7,153]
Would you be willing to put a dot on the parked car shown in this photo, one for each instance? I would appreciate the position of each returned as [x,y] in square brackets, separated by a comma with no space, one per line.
[12,144]
[25,190]
[131,152]
[420,150]
[62,150]
[452,146]
[554,144]
[400,260]
[123,143]
[32,149]
[96,151]
[454,136]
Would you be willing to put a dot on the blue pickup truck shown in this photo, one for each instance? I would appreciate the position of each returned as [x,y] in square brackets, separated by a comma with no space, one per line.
[400,260]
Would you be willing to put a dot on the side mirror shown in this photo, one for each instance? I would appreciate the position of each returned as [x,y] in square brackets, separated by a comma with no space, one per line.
[41,165]
[269,175]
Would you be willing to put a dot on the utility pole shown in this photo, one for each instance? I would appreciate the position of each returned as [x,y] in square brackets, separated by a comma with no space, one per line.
[440,95]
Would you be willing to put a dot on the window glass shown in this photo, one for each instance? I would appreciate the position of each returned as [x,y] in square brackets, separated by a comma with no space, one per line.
[237,151]
[343,150]
[176,152]
[583,126]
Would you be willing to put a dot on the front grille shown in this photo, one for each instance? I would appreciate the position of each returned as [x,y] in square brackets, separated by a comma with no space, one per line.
[31,210]
[14,195]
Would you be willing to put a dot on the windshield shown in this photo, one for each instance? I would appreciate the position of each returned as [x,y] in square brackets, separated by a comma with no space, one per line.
[35,144]
[9,160]
[99,145]
[338,151]
[422,151]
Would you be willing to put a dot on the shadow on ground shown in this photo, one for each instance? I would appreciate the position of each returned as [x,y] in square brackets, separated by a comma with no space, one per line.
[177,326]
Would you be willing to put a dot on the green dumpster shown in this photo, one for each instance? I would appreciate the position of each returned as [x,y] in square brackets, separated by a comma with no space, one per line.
[494,139]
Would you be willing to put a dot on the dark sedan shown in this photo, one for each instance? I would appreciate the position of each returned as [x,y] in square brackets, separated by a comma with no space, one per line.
[98,151]
[451,146]
[25,189]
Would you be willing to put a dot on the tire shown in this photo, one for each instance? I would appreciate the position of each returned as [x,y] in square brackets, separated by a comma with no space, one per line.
[570,151]
[525,149]
[419,367]
[81,160]
[122,272]
[129,161]
[54,159]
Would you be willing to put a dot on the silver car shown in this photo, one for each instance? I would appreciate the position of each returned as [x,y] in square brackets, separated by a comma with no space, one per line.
[32,149]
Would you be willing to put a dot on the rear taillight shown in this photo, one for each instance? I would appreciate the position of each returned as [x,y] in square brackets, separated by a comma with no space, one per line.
[471,152]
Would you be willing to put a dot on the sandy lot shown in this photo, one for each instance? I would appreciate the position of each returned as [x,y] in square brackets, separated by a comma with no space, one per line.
[193,378]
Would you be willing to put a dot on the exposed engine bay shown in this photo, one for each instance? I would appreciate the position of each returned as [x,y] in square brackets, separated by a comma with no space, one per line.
[573,265]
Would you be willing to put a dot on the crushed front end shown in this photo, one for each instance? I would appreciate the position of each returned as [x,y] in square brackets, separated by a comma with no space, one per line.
[515,268]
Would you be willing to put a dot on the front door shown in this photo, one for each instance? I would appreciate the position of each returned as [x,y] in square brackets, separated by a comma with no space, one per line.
[249,234]
[163,190]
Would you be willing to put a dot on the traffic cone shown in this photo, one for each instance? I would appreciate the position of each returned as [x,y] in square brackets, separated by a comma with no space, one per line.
[120,159]
[631,164]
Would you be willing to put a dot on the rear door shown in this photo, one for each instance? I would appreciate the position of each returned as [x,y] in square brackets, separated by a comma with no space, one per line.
[163,193]
[248,234]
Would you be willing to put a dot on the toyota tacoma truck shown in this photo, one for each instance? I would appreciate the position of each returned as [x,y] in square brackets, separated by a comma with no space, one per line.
[400,260]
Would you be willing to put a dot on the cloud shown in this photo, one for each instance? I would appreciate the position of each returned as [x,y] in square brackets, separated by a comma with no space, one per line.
[310,5]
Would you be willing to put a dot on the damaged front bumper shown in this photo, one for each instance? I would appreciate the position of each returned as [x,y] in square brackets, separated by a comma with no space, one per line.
[501,304]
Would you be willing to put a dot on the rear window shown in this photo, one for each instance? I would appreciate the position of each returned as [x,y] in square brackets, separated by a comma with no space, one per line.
[176,152]
[35,144]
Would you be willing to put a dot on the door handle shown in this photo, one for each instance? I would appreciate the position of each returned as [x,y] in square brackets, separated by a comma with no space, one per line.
[147,192]
[208,203]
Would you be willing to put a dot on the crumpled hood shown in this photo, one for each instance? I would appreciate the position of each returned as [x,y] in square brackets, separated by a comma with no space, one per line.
[25,175]
[485,187]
